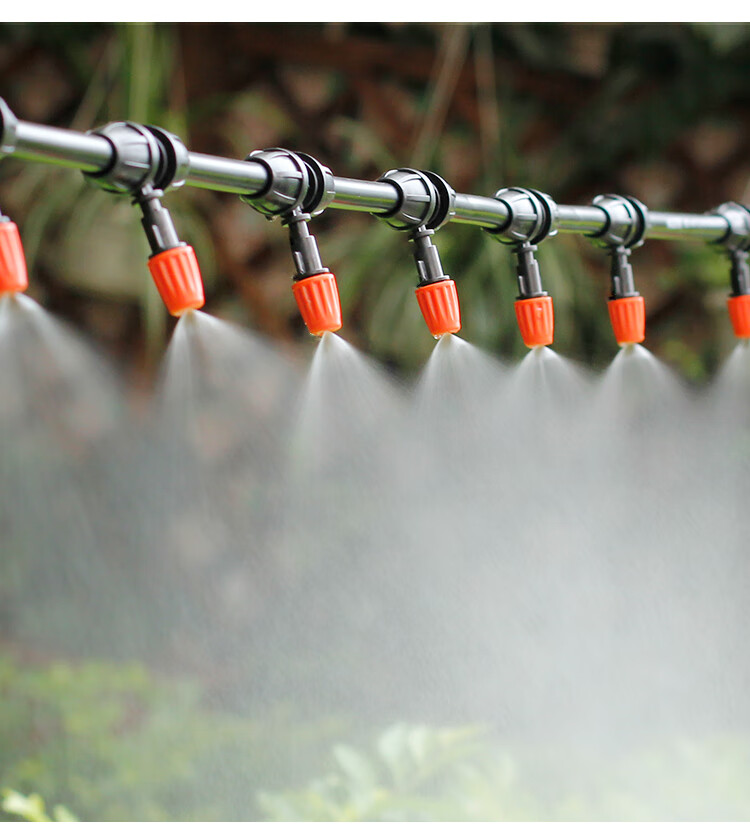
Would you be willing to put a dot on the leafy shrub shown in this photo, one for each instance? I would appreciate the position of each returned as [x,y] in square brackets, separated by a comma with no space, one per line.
[115,743]
[32,808]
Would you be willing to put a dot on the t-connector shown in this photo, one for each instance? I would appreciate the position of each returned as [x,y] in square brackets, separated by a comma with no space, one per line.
[426,202]
[146,162]
[531,217]
[624,229]
[297,188]
[736,243]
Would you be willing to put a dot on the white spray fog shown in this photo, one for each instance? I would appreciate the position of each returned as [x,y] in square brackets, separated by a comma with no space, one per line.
[498,592]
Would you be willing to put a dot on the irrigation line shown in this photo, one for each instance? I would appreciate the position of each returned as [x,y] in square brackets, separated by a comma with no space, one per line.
[94,154]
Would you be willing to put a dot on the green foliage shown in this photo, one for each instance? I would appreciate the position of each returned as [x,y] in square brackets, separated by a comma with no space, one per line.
[420,773]
[33,809]
[414,773]
[115,743]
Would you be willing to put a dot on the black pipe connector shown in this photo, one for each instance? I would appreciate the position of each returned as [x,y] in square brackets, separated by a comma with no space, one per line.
[298,188]
[146,161]
[426,202]
[736,242]
[531,216]
[136,158]
[625,229]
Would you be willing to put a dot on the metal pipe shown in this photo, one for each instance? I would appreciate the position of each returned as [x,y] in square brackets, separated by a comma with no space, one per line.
[66,148]
[94,153]
[210,172]
[686,226]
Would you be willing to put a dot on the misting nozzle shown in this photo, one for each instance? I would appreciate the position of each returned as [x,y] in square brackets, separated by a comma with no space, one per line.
[314,288]
[436,293]
[535,312]
[173,264]
[627,308]
[531,217]
[624,230]
[13,275]
[426,202]
[536,320]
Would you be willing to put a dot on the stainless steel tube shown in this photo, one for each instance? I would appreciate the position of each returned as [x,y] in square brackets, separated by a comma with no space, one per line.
[211,172]
[369,196]
[66,148]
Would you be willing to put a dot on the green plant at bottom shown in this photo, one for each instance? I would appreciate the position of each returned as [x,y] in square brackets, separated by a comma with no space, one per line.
[414,773]
[116,742]
[32,808]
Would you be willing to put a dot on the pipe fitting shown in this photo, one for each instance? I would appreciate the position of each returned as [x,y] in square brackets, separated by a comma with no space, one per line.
[737,217]
[145,162]
[624,230]
[288,182]
[426,202]
[626,222]
[136,158]
[425,199]
[531,216]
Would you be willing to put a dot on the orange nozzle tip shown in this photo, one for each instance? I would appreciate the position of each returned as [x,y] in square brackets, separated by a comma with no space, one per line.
[536,319]
[178,279]
[438,302]
[628,317]
[318,301]
[13,275]
[739,314]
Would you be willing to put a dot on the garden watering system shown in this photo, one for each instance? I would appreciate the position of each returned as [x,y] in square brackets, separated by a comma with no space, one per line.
[144,162]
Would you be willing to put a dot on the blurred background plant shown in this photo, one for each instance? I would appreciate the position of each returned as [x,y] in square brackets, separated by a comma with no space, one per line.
[654,110]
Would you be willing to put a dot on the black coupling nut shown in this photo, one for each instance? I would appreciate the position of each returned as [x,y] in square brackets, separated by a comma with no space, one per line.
[295,181]
[142,157]
[425,199]
[626,222]
[136,158]
[531,216]
[736,242]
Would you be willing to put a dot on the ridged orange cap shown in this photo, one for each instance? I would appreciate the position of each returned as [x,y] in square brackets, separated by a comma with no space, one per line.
[628,317]
[536,319]
[13,276]
[178,279]
[318,301]
[438,302]
[739,314]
